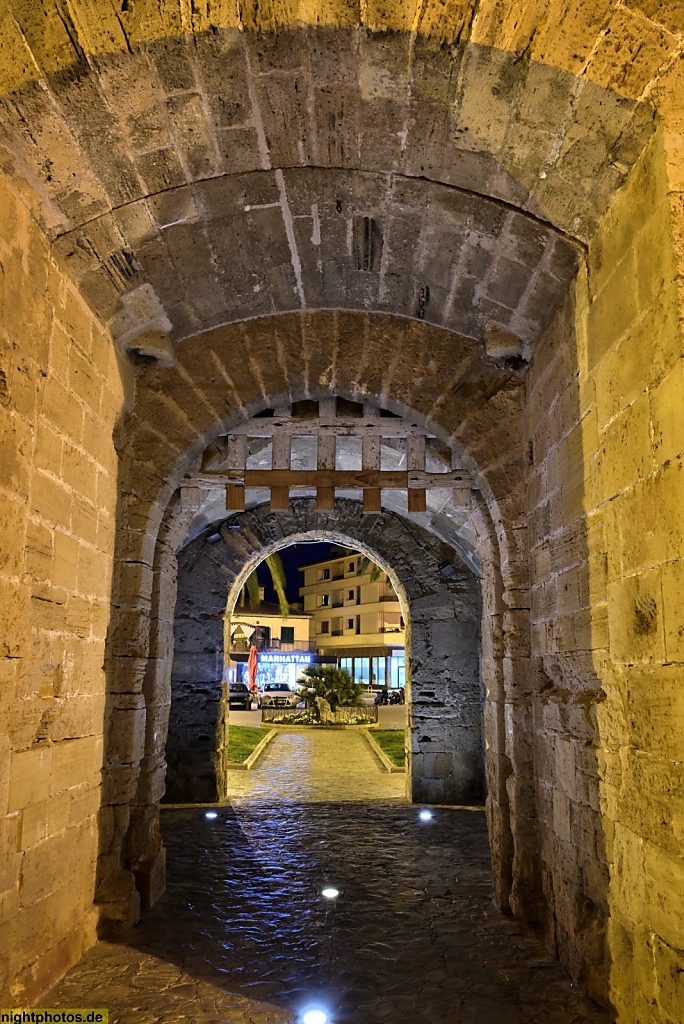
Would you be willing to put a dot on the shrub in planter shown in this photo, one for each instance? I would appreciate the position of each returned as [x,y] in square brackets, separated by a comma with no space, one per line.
[333,683]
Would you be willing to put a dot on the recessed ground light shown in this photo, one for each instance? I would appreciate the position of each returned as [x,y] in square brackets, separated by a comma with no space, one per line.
[211,815]
[315,1017]
[425,815]
[330,892]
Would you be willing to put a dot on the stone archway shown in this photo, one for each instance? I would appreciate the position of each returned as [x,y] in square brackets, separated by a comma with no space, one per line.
[526,132]
[446,759]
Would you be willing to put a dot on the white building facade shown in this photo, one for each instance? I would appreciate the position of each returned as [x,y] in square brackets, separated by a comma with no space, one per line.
[356,616]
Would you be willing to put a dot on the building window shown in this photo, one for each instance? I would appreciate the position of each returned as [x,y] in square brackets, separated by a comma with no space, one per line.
[350,623]
[325,600]
[325,627]
[350,595]
[397,671]
[261,638]
[362,671]
[351,566]
[287,634]
[325,574]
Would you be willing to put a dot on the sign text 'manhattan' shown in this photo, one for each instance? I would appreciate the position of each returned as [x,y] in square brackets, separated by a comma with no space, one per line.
[286,659]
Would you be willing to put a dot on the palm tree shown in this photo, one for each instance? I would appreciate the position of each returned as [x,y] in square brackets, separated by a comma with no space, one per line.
[250,591]
[334,684]
[362,568]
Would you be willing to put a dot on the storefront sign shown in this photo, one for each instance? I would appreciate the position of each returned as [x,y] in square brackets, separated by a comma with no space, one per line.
[285,659]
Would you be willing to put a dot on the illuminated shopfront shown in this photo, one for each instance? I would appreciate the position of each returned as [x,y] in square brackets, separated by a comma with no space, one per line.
[278,666]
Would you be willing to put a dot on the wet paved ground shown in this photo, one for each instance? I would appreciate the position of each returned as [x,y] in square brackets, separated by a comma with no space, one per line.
[243,934]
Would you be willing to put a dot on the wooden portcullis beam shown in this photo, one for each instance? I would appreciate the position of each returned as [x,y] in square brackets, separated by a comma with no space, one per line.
[334,427]
[326,481]
[348,479]
[226,463]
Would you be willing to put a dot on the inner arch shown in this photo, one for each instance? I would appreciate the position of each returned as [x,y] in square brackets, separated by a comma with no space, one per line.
[441,612]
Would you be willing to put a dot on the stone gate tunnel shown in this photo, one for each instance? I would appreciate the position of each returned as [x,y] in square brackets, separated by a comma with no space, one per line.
[445,241]
[440,598]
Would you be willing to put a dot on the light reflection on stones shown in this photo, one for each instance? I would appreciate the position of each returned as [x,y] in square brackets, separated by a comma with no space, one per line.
[242,934]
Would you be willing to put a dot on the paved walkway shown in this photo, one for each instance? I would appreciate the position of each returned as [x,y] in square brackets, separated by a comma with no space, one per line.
[310,765]
[244,935]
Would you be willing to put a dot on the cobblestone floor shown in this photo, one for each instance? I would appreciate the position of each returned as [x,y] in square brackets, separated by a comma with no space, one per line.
[243,934]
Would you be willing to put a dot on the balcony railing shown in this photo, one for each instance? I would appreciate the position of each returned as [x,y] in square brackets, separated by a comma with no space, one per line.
[243,646]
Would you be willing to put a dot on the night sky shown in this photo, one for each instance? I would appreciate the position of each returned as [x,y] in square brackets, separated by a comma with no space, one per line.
[292,558]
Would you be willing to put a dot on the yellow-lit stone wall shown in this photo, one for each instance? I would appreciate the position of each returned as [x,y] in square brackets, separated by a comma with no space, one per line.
[606,420]
[637,486]
[60,396]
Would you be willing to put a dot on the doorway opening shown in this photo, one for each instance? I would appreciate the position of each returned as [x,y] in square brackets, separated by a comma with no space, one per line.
[434,611]
[316,638]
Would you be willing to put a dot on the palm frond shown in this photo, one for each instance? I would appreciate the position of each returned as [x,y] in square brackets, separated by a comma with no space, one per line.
[252,588]
[362,568]
[277,571]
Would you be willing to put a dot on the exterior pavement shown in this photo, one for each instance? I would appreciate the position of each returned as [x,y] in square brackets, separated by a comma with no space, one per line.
[244,935]
[392,716]
[311,765]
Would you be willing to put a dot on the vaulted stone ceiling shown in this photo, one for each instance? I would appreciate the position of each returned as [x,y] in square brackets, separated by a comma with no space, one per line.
[194,171]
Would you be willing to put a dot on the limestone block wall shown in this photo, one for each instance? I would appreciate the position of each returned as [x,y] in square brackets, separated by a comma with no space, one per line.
[446,755]
[606,433]
[196,742]
[446,701]
[60,395]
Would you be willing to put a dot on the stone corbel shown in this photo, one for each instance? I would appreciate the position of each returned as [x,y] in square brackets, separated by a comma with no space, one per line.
[503,346]
[142,327]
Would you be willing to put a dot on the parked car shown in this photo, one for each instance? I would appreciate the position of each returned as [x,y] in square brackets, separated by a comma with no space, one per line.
[239,697]
[278,695]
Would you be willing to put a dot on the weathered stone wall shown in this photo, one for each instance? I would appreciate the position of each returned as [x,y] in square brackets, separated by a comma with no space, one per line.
[446,759]
[197,736]
[636,488]
[60,396]
[607,439]
[305,137]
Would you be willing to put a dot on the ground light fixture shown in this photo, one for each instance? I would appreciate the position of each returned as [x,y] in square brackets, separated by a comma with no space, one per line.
[315,1016]
[211,815]
[330,892]
[425,815]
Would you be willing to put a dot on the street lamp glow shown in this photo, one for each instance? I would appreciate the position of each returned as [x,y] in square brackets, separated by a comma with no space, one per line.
[315,1017]
[425,815]
[211,815]
[330,892]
